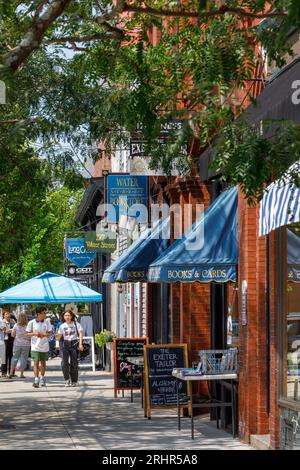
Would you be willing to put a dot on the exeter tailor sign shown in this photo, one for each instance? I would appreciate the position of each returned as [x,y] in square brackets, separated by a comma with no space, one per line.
[125,194]
[77,253]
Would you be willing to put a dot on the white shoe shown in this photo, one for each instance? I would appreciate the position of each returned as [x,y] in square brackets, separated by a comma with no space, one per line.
[43,382]
[74,384]
[67,383]
[36,383]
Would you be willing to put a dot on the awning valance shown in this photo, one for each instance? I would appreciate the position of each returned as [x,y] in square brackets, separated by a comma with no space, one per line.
[280,204]
[293,256]
[133,264]
[208,251]
[49,288]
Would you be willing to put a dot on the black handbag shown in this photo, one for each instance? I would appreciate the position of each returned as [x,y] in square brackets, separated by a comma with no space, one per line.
[86,346]
[86,350]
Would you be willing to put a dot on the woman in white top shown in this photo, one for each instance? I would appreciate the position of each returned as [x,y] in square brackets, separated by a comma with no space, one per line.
[21,345]
[71,332]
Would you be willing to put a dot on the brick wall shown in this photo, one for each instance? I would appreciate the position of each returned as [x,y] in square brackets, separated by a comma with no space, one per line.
[253,347]
[194,305]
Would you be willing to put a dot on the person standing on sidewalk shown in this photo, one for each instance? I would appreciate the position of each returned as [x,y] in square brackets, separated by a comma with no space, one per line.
[8,341]
[2,344]
[21,345]
[39,330]
[71,333]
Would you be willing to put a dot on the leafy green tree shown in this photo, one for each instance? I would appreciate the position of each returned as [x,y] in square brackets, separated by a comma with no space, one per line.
[80,70]
[42,248]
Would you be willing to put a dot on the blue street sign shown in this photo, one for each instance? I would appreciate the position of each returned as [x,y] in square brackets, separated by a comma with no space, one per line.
[77,253]
[127,195]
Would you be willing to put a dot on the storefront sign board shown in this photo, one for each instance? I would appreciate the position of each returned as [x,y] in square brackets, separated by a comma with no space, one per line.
[126,374]
[160,385]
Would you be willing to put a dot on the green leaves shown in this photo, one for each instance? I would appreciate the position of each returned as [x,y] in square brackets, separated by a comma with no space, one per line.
[189,68]
[246,157]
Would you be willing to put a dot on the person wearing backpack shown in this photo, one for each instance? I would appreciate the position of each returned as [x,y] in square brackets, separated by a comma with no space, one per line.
[71,332]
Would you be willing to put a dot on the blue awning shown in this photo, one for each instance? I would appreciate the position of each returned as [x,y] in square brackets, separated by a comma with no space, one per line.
[133,264]
[293,256]
[49,288]
[208,251]
[280,204]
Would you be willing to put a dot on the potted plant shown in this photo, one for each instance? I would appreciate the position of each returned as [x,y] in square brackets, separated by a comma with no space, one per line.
[105,338]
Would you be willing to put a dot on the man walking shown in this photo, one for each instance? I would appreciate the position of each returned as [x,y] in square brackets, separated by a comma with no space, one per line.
[39,330]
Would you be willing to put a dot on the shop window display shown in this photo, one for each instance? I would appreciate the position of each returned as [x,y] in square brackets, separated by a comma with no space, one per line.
[292,344]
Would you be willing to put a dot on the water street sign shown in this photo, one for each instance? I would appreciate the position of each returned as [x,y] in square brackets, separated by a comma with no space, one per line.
[125,194]
[104,241]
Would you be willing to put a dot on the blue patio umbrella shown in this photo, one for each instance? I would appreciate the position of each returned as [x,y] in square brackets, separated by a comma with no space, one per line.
[49,288]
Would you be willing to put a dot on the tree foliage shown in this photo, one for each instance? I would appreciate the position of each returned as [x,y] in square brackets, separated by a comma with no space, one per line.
[77,71]
[40,246]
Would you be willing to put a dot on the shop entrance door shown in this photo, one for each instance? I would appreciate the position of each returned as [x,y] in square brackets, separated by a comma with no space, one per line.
[219,309]
[160,309]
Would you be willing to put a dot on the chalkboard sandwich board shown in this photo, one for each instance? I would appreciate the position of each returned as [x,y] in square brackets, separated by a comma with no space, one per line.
[128,376]
[160,360]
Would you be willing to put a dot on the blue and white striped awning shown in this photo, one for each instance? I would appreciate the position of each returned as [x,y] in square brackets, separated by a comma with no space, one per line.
[280,204]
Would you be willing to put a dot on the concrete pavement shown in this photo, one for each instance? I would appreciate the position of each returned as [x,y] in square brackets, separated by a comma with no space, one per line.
[88,417]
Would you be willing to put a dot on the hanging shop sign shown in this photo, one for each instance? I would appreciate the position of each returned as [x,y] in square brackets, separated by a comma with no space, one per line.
[139,161]
[127,375]
[77,253]
[73,270]
[125,194]
[160,360]
[138,144]
[103,242]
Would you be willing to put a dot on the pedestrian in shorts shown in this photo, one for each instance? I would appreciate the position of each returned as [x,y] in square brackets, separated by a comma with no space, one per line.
[39,330]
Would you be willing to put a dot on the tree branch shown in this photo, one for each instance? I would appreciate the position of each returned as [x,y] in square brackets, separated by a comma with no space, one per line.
[42,21]
[202,15]
[16,121]
[90,37]
[34,36]
[120,7]
[39,9]
[113,29]
[40,24]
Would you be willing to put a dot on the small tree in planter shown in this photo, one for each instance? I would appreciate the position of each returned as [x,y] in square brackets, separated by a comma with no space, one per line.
[105,338]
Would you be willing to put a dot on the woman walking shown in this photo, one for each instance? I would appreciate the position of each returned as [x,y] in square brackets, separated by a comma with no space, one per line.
[8,323]
[2,344]
[71,333]
[21,345]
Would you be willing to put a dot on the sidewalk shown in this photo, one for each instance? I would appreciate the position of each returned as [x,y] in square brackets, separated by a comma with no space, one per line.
[89,417]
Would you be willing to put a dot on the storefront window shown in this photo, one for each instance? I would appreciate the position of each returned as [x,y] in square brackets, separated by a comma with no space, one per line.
[292,343]
[232,319]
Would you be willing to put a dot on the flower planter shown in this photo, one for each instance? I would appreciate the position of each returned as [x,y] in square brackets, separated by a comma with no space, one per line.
[109,346]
